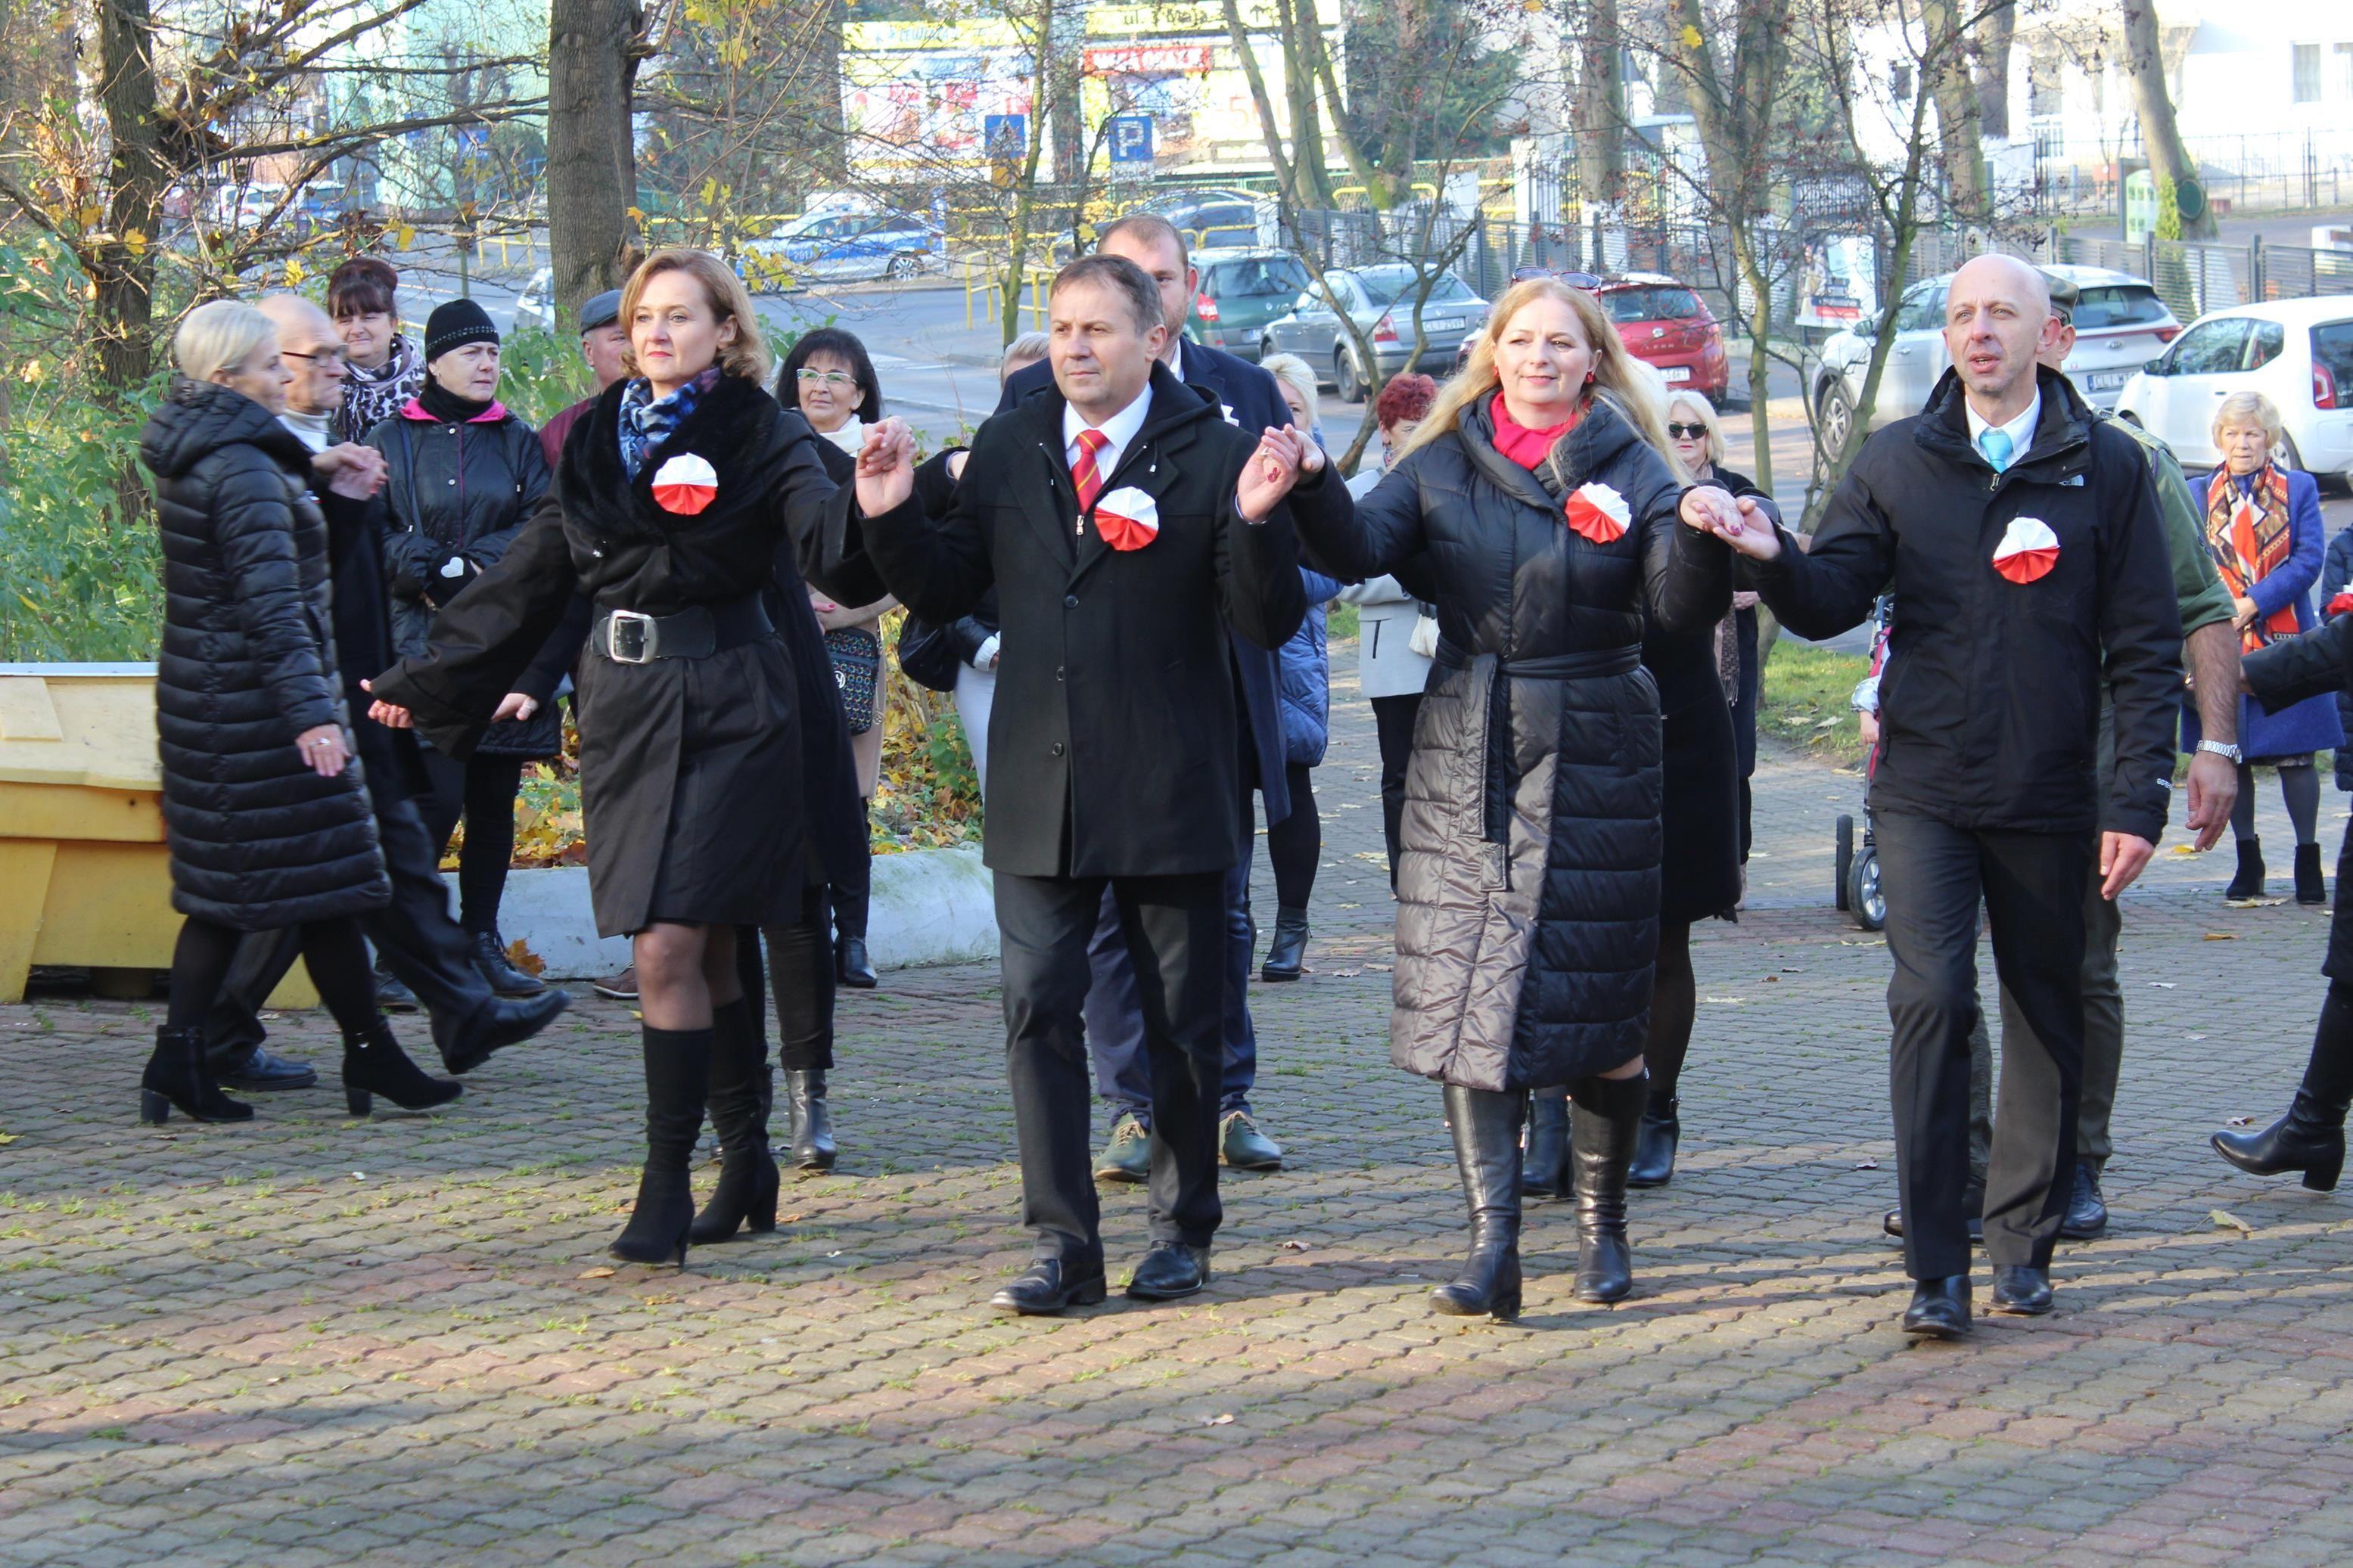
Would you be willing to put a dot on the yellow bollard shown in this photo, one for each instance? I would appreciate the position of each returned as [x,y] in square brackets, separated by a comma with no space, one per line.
[82,827]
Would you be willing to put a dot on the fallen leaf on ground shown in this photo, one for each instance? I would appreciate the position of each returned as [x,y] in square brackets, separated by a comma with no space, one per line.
[2221,936]
[1294,1246]
[1219,1421]
[7,1139]
[600,1273]
[1866,1164]
[2225,1218]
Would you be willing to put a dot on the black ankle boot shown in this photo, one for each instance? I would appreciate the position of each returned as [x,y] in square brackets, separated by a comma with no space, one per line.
[2310,1139]
[2311,887]
[678,1082]
[1486,1127]
[179,1075]
[2249,882]
[813,1147]
[746,1193]
[1543,1169]
[1655,1146]
[374,1064]
[1287,954]
[1604,1120]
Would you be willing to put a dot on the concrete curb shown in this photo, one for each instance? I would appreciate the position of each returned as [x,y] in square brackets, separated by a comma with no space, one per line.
[930,906]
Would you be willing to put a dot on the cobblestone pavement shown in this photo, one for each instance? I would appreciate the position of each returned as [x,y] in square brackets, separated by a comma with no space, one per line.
[307,1340]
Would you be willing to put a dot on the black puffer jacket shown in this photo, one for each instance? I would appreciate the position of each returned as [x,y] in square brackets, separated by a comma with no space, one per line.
[457,493]
[258,841]
[1528,871]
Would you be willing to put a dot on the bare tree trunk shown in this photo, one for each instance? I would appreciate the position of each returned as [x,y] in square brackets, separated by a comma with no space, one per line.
[1286,172]
[592,163]
[1959,141]
[2160,136]
[1025,196]
[1601,108]
[122,268]
[1999,29]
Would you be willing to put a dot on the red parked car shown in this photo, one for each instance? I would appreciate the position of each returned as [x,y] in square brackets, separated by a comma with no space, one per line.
[1664,322]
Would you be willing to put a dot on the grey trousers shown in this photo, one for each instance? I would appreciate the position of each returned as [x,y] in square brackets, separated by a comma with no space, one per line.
[2104,1043]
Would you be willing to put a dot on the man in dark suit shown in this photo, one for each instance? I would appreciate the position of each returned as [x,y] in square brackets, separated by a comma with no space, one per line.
[1246,396]
[1124,527]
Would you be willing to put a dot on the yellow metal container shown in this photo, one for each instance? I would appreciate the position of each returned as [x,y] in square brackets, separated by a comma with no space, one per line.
[84,876]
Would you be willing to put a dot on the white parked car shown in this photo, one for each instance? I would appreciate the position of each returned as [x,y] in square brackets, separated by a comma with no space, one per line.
[535,306]
[2120,325]
[2297,351]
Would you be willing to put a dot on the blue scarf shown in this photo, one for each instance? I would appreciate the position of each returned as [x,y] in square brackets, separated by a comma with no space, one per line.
[647,421]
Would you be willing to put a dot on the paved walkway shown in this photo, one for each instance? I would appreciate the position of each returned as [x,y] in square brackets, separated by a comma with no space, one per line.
[310,1340]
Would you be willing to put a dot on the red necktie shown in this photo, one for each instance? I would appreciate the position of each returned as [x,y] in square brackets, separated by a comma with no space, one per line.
[1085,476]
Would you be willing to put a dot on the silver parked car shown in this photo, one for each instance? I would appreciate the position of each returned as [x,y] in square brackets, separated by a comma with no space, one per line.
[1380,299]
[2120,325]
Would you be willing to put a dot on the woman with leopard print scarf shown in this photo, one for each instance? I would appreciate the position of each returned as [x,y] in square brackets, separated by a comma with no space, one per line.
[385,369]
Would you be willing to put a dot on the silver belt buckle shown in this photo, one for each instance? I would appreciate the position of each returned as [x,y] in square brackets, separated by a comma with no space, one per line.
[629,637]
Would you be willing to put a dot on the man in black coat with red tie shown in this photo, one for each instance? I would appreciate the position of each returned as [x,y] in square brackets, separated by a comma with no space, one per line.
[1125,527]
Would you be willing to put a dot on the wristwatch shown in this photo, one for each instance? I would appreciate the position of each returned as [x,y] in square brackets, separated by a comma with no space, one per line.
[2221,749]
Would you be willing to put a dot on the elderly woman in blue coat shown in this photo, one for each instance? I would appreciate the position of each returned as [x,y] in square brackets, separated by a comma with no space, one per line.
[2264,527]
[1295,845]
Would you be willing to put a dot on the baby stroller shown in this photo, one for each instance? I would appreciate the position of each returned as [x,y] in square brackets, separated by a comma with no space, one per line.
[1857,890]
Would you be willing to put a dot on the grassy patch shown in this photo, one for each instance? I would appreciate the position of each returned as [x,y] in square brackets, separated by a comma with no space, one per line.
[1805,702]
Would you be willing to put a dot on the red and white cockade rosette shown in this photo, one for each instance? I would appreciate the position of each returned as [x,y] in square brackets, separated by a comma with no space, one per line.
[686,484]
[1599,512]
[2027,551]
[1127,518]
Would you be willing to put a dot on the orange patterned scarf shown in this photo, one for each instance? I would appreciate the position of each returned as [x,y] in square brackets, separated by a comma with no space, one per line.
[2247,530]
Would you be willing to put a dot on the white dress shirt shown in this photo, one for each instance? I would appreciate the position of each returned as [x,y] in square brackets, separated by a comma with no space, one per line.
[1119,431]
[2019,430]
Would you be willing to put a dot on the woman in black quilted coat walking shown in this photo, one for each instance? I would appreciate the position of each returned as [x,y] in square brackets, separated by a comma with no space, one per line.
[264,807]
[1536,510]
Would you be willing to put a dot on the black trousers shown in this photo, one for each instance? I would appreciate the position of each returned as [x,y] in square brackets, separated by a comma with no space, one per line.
[1393,722]
[414,937]
[482,791]
[1176,937]
[2033,887]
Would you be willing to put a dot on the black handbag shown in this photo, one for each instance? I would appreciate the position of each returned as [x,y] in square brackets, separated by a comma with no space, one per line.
[927,655]
[857,657]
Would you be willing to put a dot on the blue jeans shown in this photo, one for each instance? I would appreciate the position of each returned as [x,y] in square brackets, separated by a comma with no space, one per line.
[1115,1011]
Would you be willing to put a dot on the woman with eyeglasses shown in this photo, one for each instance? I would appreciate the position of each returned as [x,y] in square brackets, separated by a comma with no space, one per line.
[830,374]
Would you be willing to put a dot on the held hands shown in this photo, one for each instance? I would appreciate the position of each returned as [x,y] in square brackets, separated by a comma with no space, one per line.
[322,750]
[386,715]
[886,467]
[1272,470]
[353,471]
[2122,858]
[1710,509]
[514,705]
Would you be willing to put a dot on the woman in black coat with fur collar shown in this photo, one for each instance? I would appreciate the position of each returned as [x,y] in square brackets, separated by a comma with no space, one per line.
[670,504]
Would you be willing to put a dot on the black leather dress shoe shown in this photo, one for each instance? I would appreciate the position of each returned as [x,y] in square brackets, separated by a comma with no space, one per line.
[2022,1292]
[490,958]
[1169,1271]
[391,994]
[501,1021]
[2088,1211]
[852,966]
[1939,1309]
[258,1072]
[1972,1200]
[1049,1285]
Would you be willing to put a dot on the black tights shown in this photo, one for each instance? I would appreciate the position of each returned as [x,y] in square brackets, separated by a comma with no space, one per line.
[333,951]
[1674,1005]
[800,971]
[482,789]
[1296,843]
[2299,788]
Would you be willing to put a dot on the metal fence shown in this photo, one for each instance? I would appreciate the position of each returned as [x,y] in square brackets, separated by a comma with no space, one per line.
[2263,170]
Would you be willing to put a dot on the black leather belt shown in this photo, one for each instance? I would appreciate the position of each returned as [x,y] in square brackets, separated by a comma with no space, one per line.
[626,636]
[1581,665]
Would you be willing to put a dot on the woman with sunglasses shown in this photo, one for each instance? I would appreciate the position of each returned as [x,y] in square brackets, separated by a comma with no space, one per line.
[829,376]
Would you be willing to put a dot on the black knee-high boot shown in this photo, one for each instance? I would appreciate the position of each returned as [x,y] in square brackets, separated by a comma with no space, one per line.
[747,1172]
[1486,1127]
[2311,1137]
[1605,1123]
[1543,1169]
[678,1082]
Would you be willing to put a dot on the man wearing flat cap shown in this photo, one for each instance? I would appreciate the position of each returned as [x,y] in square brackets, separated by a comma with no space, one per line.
[603,340]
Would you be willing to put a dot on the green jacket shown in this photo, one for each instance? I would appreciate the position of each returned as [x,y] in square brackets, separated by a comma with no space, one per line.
[2196,587]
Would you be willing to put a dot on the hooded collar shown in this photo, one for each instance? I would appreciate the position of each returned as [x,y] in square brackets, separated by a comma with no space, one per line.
[2063,435]
[197,418]
[1600,437]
